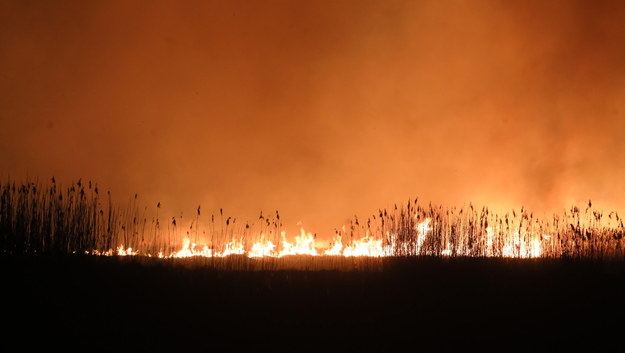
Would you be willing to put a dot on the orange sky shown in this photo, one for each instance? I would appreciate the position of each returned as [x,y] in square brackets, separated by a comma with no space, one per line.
[321,109]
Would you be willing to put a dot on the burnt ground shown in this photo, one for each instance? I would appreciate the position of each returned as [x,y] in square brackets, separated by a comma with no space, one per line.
[430,304]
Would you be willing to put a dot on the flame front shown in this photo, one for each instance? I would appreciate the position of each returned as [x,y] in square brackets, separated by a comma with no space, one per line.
[304,245]
[263,249]
[519,246]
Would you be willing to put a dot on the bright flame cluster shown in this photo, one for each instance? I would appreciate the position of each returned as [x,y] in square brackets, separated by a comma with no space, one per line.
[304,244]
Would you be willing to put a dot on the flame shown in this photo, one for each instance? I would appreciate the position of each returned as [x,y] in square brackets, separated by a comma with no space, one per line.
[366,246]
[422,229]
[233,247]
[304,245]
[120,251]
[518,246]
[447,251]
[125,252]
[337,247]
[190,249]
[262,248]
[490,235]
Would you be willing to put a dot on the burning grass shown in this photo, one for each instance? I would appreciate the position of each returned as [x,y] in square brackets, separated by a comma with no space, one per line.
[40,217]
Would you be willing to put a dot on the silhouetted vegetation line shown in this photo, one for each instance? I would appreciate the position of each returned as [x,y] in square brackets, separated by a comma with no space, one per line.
[44,217]
[47,218]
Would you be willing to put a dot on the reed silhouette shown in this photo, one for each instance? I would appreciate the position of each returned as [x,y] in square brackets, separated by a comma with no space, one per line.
[44,217]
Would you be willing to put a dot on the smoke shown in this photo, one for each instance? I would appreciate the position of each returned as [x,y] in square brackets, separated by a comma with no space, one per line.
[319,109]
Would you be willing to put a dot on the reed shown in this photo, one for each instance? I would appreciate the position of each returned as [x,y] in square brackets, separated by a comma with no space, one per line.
[45,217]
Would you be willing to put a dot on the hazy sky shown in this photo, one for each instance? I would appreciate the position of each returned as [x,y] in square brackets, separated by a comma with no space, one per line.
[321,109]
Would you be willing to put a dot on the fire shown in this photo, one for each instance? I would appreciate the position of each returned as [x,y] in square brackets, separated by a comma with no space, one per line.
[447,251]
[233,247]
[337,247]
[120,251]
[304,245]
[262,248]
[422,230]
[366,246]
[190,249]
[518,246]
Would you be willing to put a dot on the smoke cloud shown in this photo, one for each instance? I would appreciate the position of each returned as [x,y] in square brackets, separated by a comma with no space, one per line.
[320,109]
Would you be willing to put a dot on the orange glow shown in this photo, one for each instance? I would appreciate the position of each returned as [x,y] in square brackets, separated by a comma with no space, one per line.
[503,103]
[518,246]
[262,248]
[304,245]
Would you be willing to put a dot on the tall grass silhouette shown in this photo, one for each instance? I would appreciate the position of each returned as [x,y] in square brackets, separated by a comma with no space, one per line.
[44,217]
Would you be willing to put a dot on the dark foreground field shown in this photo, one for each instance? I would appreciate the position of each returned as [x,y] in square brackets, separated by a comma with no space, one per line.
[432,304]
